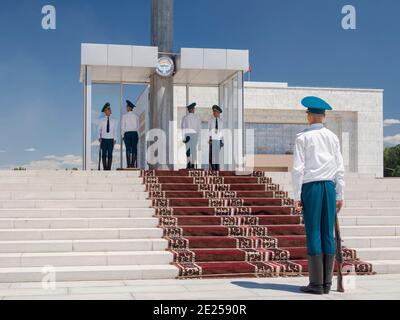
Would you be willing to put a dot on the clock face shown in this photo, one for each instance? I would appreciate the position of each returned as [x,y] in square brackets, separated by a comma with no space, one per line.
[165,67]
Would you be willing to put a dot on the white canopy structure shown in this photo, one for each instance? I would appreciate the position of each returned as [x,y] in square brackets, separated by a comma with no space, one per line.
[126,64]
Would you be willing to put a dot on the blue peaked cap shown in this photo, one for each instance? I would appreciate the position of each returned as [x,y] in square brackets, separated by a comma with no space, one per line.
[130,104]
[106,106]
[316,105]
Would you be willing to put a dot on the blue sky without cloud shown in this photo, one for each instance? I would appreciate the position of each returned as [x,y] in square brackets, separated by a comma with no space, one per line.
[299,42]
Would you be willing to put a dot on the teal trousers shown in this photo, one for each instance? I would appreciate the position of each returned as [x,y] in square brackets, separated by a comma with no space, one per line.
[319,210]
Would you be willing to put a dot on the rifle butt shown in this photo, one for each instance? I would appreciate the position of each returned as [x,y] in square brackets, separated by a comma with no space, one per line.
[340,287]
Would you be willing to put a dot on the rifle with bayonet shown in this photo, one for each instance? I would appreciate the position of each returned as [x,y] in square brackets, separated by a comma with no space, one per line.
[339,256]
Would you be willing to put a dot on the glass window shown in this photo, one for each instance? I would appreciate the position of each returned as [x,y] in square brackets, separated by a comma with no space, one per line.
[275,138]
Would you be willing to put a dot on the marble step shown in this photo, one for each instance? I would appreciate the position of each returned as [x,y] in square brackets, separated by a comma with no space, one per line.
[75,203]
[93,245]
[369,254]
[386,181]
[60,223]
[372,203]
[376,185]
[63,259]
[70,180]
[349,175]
[370,230]
[48,173]
[369,220]
[371,195]
[366,187]
[371,241]
[99,187]
[357,211]
[73,195]
[77,213]
[352,183]
[89,273]
[386,266]
[79,234]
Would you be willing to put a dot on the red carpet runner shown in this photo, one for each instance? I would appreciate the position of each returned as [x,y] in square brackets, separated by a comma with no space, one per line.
[220,224]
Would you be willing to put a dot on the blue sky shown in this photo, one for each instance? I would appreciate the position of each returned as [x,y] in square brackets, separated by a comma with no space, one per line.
[299,42]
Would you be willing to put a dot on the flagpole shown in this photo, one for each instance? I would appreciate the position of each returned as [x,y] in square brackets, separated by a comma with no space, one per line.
[249,73]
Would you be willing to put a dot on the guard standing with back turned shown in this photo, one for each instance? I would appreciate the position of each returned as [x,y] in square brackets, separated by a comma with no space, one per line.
[191,128]
[130,128]
[318,185]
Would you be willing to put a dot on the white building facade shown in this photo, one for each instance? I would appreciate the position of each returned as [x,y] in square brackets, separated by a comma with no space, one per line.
[274,112]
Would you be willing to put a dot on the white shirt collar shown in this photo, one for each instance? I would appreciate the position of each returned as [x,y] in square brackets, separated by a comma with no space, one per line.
[316,126]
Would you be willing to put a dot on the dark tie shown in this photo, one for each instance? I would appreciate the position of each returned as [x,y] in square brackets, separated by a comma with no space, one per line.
[216,124]
[108,124]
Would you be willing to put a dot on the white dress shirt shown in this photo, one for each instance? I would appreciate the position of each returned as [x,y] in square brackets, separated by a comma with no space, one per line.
[317,157]
[103,134]
[130,122]
[191,123]
[216,134]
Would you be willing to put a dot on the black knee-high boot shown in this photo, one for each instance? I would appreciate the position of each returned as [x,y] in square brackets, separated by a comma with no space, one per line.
[316,275]
[329,263]
[134,161]
[128,160]
[104,160]
[109,164]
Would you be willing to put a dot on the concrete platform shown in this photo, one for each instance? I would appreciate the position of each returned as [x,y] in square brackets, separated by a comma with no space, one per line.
[379,287]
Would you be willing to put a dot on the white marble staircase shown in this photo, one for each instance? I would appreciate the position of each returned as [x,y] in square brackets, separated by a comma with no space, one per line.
[83,225]
[370,221]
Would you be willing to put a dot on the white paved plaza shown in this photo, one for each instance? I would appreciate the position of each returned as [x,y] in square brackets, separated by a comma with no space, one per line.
[378,287]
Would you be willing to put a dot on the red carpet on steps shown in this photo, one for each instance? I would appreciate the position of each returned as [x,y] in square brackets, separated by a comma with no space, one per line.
[223,224]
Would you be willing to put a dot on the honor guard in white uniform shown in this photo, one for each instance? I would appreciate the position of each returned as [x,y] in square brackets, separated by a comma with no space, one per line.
[107,134]
[318,184]
[130,127]
[215,127]
[191,129]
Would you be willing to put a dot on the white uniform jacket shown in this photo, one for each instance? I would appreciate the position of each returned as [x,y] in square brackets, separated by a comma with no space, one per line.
[317,157]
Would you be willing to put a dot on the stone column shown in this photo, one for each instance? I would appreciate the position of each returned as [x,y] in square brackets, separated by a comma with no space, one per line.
[162,88]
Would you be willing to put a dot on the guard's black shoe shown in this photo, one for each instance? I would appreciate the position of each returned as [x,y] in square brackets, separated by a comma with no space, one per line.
[329,262]
[316,275]
[312,289]
[327,289]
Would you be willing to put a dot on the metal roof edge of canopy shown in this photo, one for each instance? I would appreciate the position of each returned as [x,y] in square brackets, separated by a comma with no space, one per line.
[214,59]
[118,63]
[205,66]
[94,54]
